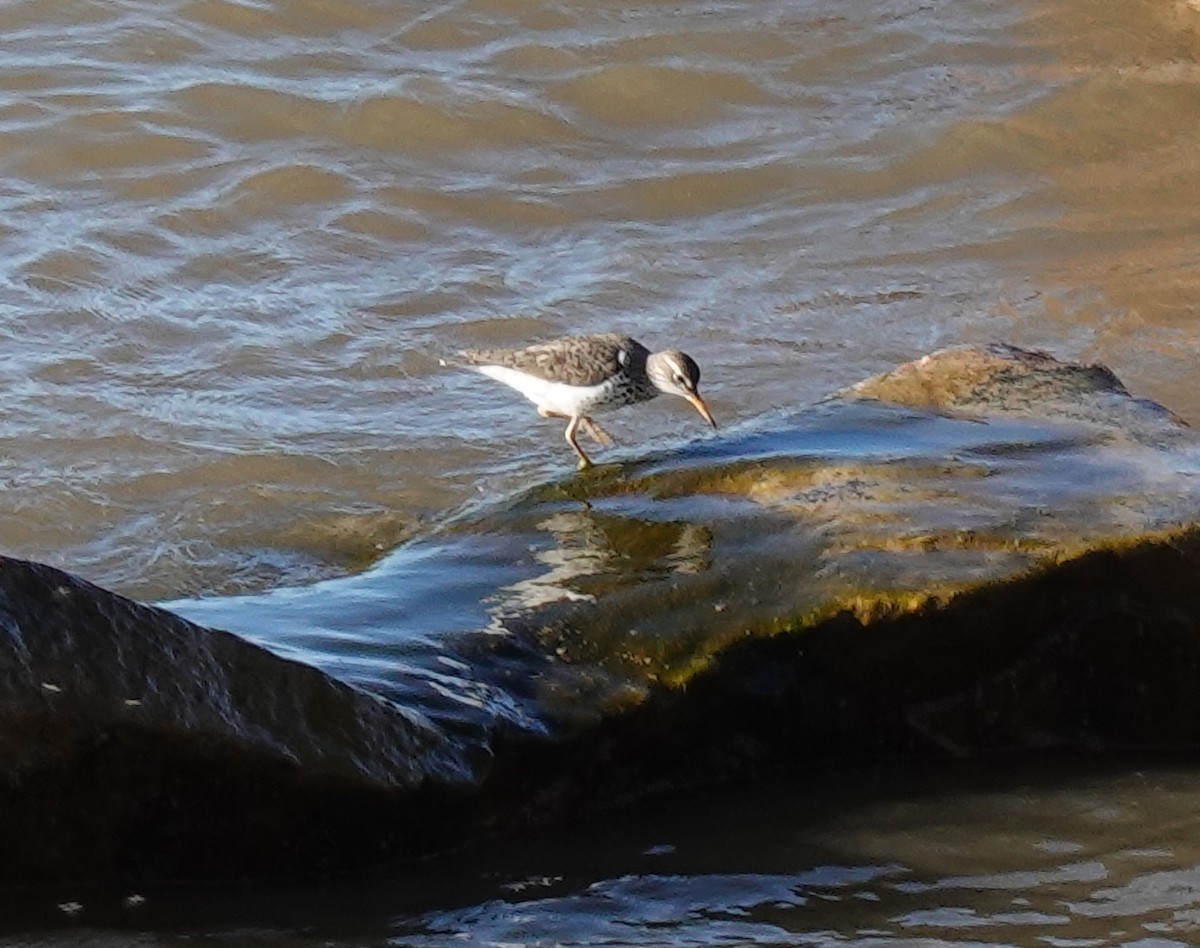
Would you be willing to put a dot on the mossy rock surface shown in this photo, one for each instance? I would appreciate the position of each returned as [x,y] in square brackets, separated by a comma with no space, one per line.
[985,551]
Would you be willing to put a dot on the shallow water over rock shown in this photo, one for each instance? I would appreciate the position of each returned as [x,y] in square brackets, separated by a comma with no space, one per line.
[867,579]
[869,500]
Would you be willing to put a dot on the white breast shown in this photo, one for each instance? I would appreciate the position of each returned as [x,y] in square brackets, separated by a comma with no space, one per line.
[550,396]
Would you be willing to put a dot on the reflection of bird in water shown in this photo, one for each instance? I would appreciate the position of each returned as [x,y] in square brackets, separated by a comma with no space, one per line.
[578,553]
[692,548]
[578,376]
[577,550]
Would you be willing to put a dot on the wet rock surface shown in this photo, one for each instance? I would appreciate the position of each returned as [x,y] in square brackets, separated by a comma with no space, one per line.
[138,745]
[984,551]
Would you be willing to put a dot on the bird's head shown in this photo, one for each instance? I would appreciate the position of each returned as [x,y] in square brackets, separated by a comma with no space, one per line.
[676,373]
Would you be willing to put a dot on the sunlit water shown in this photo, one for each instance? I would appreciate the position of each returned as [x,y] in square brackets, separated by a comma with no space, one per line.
[236,236]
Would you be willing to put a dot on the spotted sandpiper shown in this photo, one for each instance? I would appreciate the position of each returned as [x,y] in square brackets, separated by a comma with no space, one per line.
[578,376]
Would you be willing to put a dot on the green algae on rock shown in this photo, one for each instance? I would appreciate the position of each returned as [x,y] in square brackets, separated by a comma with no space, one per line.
[987,550]
[869,502]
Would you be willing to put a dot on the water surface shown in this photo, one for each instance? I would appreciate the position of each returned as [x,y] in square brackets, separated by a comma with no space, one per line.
[955,856]
[236,235]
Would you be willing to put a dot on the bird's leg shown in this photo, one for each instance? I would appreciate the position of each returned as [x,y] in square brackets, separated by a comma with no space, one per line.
[595,432]
[572,425]
[547,413]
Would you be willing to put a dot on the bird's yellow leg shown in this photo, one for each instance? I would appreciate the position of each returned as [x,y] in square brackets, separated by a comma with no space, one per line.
[572,426]
[547,413]
[595,432]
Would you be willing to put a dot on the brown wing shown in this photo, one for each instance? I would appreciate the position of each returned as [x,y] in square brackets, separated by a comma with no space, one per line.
[576,360]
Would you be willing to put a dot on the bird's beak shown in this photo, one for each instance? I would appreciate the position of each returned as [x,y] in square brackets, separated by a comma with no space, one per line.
[698,402]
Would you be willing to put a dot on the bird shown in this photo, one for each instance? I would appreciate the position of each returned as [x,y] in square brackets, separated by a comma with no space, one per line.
[575,377]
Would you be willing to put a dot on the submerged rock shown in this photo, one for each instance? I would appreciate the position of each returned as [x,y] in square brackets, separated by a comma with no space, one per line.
[986,550]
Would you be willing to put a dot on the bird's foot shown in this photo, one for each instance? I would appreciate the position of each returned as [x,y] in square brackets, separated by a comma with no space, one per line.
[575,422]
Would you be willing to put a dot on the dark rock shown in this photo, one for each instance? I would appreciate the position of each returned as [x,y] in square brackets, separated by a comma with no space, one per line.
[138,745]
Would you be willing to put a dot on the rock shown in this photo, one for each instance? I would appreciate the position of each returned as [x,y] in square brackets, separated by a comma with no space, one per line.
[1002,380]
[138,745]
[984,551]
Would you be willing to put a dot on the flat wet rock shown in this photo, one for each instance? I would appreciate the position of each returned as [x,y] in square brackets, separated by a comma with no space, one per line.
[984,550]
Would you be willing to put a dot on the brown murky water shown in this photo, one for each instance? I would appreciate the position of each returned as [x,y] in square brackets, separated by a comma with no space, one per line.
[236,235]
